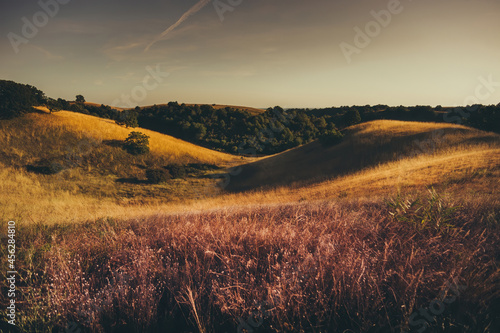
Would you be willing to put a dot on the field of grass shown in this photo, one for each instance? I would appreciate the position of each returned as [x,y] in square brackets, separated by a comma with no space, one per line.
[366,236]
[362,266]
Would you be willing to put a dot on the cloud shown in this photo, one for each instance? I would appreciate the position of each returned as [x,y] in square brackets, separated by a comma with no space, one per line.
[185,16]
[230,73]
[48,55]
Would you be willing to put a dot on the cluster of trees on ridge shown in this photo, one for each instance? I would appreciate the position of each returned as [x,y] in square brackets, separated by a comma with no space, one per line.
[234,130]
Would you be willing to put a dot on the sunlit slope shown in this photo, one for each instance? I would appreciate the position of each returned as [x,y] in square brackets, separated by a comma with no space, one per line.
[366,146]
[104,129]
[98,177]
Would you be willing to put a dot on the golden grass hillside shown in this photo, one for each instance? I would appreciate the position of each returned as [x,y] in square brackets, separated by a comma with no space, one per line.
[99,177]
[372,145]
[177,150]
[393,156]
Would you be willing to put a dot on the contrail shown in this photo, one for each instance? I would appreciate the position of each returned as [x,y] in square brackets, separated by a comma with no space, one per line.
[191,11]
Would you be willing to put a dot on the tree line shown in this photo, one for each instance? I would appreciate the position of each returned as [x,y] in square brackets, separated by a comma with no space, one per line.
[228,129]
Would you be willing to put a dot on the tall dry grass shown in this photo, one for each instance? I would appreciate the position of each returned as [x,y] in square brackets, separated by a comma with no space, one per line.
[325,267]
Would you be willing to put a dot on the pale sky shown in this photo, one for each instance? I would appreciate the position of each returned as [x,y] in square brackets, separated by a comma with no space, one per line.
[263,53]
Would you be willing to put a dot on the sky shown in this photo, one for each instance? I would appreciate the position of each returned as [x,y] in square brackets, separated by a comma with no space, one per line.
[257,53]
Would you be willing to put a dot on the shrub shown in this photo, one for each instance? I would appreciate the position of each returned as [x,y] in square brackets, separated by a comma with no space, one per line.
[46,167]
[137,143]
[177,170]
[157,176]
[433,212]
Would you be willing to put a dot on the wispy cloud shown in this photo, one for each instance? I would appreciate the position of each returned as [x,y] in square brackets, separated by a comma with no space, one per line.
[48,55]
[185,16]
[229,73]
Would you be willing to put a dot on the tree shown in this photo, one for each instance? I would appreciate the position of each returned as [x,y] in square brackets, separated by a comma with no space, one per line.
[128,118]
[17,99]
[351,117]
[137,143]
[80,99]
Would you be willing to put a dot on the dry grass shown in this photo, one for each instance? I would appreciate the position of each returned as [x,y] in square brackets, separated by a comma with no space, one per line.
[303,268]
[464,162]
[321,255]
[365,146]
[100,178]
[177,150]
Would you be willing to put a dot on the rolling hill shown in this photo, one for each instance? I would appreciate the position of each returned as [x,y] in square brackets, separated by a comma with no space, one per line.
[373,146]
[99,178]
[251,110]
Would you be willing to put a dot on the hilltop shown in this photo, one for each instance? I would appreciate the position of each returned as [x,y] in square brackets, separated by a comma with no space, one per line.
[371,148]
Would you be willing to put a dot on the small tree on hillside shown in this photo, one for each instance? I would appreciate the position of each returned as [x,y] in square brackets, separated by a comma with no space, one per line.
[80,99]
[137,143]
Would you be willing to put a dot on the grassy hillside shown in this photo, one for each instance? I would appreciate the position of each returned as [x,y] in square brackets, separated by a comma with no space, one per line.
[99,177]
[378,149]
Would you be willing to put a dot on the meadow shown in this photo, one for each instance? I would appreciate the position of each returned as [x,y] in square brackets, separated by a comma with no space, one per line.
[396,229]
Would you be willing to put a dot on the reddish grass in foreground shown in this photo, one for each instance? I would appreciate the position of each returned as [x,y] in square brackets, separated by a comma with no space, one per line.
[323,267]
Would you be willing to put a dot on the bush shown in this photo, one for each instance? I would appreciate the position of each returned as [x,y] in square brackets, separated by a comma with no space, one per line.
[137,143]
[157,176]
[177,170]
[46,167]
[423,214]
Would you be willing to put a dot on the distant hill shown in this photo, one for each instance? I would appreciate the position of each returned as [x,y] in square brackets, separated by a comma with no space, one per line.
[251,110]
[365,146]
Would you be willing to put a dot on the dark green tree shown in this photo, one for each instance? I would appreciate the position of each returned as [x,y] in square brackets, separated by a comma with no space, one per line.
[137,143]
[80,99]
[351,117]
[128,118]
[17,99]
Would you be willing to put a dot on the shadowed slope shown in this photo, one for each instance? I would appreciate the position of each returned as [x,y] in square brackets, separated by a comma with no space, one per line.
[366,145]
